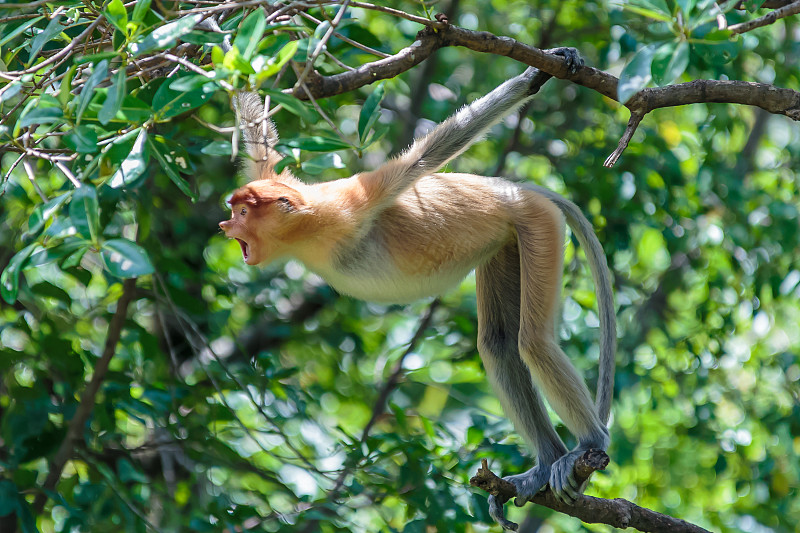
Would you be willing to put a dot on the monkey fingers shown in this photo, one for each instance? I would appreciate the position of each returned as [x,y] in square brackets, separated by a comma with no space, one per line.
[562,478]
[573,59]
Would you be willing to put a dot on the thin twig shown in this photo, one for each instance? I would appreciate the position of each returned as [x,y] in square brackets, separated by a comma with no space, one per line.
[633,123]
[769,18]
[401,14]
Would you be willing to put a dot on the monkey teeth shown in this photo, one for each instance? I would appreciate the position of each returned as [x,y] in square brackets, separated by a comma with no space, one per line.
[245,249]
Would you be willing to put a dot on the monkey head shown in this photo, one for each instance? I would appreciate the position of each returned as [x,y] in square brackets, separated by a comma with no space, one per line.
[266,216]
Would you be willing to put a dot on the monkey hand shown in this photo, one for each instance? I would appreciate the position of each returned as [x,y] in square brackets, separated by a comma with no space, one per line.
[573,59]
[527,485]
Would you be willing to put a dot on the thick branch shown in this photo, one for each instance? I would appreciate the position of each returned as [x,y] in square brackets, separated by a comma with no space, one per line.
[78,422]
[617,512]
[768,97]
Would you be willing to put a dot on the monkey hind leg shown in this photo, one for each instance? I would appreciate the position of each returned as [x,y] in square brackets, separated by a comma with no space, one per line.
[540,230]
[498,291]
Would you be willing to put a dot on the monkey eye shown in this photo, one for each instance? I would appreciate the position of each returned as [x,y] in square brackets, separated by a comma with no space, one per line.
[244,211]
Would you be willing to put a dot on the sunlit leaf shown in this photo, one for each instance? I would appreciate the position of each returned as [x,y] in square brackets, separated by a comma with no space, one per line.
[250,33]
[166,35]
[168,102]
[115,13]
[125,259]
[168,162]
[134,165]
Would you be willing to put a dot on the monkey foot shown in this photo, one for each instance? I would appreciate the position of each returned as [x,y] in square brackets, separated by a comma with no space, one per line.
[527,485]
[562,478]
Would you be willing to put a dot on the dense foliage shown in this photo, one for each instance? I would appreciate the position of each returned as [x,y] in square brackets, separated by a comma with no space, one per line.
[237,398]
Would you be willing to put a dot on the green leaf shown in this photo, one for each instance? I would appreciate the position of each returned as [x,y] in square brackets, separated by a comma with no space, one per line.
[322,163]
[168,102]
[9,279]
[293,105]
[8,496]
[52,29]
[42,213]
[116,94]
[649,13]
[317,144]
[166,35]
[189,83]
[134,165]
[82,139]
[116,14]
[636,74]
[84,211]
[80,60]
[41,115]
[275,64]
[67,247]
[10,91]
[250,33]
[19,29]
[687,6]
[370,112]
[125,259]
[98,74]
[167,159]
[753,5]
[234,61]
[218,148]
[669,62]
[202,38]
[140,10]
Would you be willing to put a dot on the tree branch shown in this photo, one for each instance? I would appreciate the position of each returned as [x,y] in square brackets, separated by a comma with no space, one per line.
[78,422]
[617,512]
[769,18]
[774,99]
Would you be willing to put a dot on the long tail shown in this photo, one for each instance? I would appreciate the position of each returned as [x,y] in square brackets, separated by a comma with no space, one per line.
[605,297]
[431,152]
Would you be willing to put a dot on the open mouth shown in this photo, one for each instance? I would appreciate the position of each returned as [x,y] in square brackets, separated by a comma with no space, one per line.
[245,249]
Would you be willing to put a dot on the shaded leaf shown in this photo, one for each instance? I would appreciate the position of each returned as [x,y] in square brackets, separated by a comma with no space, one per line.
[98,74]
[636,74]
[52,29]
[670,61]
[9,279]
[116,94]
[370,112]
[84,211]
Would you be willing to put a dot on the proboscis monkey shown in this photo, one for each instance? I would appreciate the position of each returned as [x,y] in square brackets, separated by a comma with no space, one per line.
[403,232]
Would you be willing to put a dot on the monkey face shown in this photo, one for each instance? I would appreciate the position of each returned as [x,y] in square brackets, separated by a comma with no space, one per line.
[264,216]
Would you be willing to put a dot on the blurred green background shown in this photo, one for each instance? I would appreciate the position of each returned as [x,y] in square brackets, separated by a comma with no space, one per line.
[238,396]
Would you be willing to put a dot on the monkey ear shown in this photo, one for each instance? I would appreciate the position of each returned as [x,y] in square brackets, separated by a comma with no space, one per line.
[260,136]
